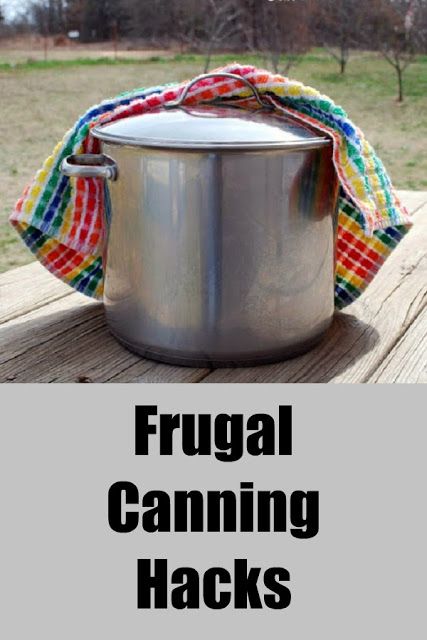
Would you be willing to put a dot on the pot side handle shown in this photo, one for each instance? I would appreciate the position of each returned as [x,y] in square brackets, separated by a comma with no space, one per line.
[90,165]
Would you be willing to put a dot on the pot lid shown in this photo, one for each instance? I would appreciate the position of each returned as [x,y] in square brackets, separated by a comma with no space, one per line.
[210,127]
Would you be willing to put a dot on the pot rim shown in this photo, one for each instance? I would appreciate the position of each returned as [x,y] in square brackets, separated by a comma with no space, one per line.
[245,132]
[194,145]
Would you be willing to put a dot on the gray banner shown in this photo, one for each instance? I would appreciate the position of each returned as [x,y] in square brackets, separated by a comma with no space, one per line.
[65,574]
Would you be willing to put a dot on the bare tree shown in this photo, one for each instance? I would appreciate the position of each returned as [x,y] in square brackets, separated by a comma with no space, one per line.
[340,25]
[205,25]
[401,35]
[3,25]
[2,22]
[48,16]
[189,17]
[284,33]
[160,21]
[100,19]
[74,10]
[221,24]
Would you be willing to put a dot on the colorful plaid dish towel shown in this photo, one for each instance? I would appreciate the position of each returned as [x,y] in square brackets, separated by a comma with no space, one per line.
[62,220]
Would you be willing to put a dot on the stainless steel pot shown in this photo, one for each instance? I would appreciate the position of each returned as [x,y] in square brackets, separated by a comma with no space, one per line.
[221,241]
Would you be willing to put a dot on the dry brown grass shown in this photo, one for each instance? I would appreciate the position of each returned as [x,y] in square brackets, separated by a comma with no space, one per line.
[37,108]
[32,48]
[38,105]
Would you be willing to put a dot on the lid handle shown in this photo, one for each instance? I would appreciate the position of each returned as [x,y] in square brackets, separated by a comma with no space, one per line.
[220,74]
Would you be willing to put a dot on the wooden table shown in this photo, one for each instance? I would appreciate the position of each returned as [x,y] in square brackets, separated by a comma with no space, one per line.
[48,333]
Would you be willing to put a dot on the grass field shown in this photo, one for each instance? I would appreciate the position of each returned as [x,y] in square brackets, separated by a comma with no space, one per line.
[39,101]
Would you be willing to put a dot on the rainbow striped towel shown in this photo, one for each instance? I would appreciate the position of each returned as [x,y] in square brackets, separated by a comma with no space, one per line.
[62,220]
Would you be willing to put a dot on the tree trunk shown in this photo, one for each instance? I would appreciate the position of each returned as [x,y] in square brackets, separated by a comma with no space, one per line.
[288,66]
[275,61]
[400,83]
[60,15]
[343,58]
[255,34]
[208,57]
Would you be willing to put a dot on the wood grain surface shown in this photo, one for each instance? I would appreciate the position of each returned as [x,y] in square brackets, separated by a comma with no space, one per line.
[48,333]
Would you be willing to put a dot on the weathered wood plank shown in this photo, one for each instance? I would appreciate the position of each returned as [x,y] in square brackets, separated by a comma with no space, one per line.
[144,371]
[361,337]
[407,362]
[68,341]
[40,327]
[148,371]
[413,200]
[27,288]
[32,286]
[51,334]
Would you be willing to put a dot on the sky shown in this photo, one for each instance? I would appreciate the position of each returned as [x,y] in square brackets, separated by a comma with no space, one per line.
[12,7]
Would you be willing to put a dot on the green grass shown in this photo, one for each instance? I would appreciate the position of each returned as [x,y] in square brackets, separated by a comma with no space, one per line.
[32,65]
[40,100]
